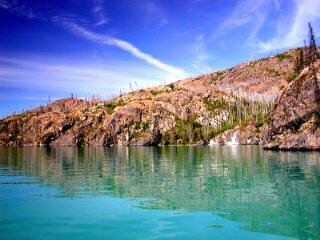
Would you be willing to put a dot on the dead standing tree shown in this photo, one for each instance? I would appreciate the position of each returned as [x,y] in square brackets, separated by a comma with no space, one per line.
[312,53]
[312,56]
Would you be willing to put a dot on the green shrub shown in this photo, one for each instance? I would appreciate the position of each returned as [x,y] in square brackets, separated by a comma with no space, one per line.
[224,127]
[154,92]
[145,126]
[111,105]
[197,134]
[212,105]
[292,76]
[299,61]
[272,72]
[2,126]
[136,125]
[252,64]
[283,56]
[186,130]
[317,116]
[165,139]
[136,135]
[262,118]
[219,74]
[216,76]
[171,86]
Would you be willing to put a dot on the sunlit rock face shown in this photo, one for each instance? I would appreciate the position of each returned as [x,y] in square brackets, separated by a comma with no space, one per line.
[241,134]
[292,121]
[298,100]
[307,136]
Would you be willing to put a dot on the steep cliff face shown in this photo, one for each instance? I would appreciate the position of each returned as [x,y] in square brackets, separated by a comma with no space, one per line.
[227,106]
[294,120]
[298,100]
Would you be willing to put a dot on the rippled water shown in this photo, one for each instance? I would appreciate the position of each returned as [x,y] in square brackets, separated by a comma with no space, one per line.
[222,192]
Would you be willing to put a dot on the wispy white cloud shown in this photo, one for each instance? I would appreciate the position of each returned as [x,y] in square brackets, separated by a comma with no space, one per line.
[63,76]
[154,15]
[4,4]
[201,55]
[70,25]
[98,11]
[21,9]
[126,46]
[305,11]
[247,12]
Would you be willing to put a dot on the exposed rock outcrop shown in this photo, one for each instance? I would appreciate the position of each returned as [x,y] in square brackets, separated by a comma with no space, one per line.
[306,137]
[296,103]
[291,123]
[247,134]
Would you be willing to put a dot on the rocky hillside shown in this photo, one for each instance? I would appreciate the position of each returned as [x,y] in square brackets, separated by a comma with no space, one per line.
[231,106]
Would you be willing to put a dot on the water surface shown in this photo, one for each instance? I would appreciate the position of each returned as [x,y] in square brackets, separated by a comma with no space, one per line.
[221,192]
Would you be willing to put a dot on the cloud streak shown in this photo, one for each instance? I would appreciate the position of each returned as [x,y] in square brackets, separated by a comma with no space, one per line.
[98,11]
[126,46]
[22,10]
[41,74]
[70,25]
[247,12]
[201,55]
[305,11]
[291,27]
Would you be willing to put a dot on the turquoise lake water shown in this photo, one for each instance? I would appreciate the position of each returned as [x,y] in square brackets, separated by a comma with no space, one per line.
[203,192]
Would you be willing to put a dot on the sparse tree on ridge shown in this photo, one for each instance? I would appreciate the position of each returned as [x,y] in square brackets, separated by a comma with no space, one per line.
[312,52]
[299,61]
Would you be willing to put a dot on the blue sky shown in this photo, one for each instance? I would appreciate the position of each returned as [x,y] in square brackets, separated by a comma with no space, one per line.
[55,48]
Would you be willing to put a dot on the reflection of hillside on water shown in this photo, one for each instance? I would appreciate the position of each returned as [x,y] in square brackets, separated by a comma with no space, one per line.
[274,192]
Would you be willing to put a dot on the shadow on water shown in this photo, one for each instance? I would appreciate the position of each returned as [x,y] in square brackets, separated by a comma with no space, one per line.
[267,191]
